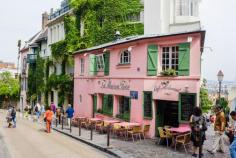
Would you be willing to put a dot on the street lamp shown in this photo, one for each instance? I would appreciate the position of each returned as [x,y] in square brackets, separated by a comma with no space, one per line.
[220,77]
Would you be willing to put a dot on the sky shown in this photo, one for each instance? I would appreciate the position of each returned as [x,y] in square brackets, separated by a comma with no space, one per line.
[20,19]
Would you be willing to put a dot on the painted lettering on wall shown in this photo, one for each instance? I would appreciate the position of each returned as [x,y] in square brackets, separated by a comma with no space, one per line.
[122,85]
[165,85]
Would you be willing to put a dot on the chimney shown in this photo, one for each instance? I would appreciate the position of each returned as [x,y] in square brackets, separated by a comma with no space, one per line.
[44,20]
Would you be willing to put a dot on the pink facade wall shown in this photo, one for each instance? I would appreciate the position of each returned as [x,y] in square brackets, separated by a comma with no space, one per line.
[135,75]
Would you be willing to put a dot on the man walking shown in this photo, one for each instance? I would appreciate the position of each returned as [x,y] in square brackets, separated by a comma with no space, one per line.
[13,116]
[232,129]
[70,114]
[219,127]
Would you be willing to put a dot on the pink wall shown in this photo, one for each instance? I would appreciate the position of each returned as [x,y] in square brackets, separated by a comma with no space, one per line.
[135,76]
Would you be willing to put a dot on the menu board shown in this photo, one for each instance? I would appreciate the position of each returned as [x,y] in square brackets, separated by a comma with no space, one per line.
[187,102]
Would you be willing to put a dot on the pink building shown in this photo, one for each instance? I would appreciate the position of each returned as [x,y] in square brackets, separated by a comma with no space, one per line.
[133,79]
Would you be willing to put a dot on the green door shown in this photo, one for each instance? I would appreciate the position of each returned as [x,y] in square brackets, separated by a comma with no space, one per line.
[159,116]
[94,103]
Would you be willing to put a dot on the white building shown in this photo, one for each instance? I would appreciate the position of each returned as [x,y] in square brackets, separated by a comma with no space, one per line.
[169,16]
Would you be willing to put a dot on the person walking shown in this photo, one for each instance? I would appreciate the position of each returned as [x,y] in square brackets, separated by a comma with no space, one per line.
[199,127]
[58,115]
[70,114]
[232,129]
[13,116]
[219,128]
[48,119]
[53,107]
[9,117]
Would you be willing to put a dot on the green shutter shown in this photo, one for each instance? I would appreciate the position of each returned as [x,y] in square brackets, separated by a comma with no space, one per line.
[152,60]
[147,104]
[184,59]
[107,63]
[105,103]
[92,64]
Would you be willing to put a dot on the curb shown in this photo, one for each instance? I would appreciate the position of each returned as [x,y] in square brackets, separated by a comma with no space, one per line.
[115,153]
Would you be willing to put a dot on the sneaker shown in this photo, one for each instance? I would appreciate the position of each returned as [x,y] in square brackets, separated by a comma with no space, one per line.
[211,152]
[194,155]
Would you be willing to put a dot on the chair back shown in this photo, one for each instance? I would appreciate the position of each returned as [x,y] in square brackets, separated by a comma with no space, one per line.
[168,132]
[187,138]
[137,129]
[146,128]
[161,132]
[116,126]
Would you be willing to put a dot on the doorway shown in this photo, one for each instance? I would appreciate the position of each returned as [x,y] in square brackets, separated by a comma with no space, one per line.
[167,113]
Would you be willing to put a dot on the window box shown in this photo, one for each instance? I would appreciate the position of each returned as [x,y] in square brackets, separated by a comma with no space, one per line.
[123,66]
[169,73]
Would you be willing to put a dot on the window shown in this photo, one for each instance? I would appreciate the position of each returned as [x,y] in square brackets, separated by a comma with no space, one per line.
[100,62]
[124,108]
[107,106]
[187,8]
[170,58]
[81,66]
[147,104]
[125,57]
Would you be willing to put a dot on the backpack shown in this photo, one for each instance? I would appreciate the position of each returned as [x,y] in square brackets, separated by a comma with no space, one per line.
[13,113]
[199,123]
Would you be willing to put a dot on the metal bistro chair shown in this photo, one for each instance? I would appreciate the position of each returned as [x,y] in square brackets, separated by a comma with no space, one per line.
[136,131]
[163,135]
[146,129]
[184,140]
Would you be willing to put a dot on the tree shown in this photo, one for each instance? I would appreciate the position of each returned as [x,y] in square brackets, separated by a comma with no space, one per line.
[223,104]
[9,87]
[205,102]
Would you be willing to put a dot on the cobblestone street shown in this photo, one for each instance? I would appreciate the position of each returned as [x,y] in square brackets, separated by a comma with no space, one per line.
[144,148]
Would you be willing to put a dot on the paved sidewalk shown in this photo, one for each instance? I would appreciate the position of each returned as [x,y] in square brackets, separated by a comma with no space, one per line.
[137,149]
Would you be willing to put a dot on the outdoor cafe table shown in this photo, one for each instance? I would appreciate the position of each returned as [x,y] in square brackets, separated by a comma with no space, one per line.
[128,125]
[110,122]
[183,129]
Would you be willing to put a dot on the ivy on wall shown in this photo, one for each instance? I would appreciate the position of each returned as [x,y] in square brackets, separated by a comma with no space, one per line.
[100,20]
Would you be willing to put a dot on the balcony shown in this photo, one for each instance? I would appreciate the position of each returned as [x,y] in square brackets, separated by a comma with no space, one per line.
[59,12]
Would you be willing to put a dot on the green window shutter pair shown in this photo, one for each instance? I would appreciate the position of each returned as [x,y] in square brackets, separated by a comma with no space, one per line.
[92,64]
[184,59]
[152,60]
[107,63]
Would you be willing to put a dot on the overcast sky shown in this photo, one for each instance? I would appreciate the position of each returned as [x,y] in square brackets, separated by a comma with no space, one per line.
[20,19]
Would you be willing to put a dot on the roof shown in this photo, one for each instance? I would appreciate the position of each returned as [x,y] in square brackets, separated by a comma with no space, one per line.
[30,41]
[42,36]
[138,38]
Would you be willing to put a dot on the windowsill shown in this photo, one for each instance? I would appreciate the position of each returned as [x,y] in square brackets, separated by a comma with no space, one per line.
[123,65]
[147,118]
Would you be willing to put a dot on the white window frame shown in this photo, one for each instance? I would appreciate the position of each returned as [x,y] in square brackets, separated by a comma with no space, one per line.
[81,66]
[100,62]
[170,57]
[187,8]
[124,59]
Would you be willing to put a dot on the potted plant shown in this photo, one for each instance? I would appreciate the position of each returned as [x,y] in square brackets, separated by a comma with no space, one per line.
[168,72]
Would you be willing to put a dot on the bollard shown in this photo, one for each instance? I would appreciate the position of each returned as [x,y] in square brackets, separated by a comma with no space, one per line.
[70,126]
[91,132]
[79,127]
[56,122]
[62,122]
[108,135]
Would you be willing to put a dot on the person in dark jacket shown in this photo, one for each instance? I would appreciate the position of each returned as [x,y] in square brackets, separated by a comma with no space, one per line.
[70,114]
[198,126]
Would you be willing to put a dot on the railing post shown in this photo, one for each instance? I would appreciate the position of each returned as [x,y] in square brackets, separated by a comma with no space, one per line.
[62,122]
[91,131]
[56,121]
[79,127]
[70,126]
[108,135]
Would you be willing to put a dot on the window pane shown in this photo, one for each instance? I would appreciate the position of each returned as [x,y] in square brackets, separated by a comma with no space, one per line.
[147,104]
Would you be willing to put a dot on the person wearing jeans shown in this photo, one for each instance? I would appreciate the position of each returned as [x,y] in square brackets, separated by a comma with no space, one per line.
[232,129]
[70,114]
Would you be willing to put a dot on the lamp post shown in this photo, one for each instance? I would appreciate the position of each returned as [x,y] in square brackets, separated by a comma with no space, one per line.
[220,77]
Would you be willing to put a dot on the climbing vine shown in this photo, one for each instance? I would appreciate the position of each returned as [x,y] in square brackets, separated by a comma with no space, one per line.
[92,23]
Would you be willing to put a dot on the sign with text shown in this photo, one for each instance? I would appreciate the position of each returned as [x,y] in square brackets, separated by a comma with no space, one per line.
[134,94]
[108,84]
